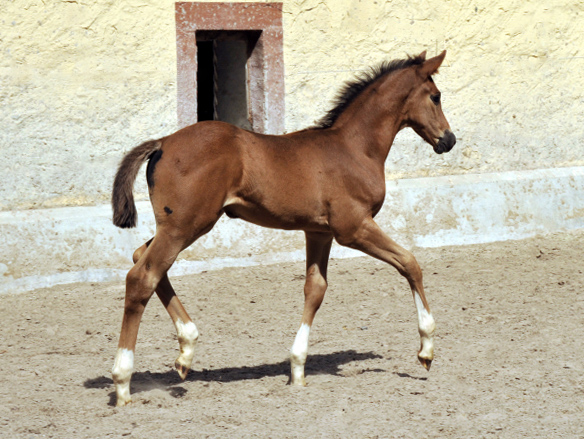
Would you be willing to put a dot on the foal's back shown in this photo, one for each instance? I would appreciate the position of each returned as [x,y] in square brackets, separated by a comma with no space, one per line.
[273,181]
[303,180]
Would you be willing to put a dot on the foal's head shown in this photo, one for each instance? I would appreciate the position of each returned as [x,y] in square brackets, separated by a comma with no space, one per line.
[423,108]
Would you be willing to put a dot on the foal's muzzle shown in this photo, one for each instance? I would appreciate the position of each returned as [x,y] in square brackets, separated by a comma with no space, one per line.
[445,143]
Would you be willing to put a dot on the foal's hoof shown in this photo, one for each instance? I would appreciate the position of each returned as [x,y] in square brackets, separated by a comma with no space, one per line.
[121,402]
[298,382]
[182,370]
[425,362]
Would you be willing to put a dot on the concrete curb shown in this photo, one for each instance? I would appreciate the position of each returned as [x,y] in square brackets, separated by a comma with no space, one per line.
[47,247]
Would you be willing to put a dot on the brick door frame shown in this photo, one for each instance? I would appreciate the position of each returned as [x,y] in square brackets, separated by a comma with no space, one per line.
[265,65]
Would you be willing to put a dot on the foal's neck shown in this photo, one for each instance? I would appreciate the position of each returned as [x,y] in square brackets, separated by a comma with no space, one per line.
[374,119]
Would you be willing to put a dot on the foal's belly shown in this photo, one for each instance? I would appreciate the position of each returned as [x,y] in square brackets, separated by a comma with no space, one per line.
[284,217]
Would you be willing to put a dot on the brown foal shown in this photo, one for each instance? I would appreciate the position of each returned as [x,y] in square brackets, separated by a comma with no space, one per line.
[328,181]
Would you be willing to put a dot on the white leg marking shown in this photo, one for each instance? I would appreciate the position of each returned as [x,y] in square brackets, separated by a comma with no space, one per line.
[187,338]
[298,355]
[426,328]
[122,372]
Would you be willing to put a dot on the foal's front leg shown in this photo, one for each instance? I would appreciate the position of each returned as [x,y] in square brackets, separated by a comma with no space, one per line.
[370,239]
[318,247]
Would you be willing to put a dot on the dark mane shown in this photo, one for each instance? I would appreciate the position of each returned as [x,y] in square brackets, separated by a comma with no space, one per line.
[355,87]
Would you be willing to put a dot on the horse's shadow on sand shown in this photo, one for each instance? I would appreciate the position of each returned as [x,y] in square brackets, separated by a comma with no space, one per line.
[323,364]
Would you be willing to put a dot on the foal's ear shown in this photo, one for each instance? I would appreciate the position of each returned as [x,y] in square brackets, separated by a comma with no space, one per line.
[431,66]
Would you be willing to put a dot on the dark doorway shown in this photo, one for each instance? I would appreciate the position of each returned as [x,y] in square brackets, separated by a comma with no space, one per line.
[248,88]
[223,80]
[205,94]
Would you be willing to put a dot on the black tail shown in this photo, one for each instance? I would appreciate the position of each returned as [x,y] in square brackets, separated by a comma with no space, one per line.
[125,214]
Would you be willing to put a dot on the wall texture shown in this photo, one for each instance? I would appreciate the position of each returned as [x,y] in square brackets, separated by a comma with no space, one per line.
[83,81]
[510,82]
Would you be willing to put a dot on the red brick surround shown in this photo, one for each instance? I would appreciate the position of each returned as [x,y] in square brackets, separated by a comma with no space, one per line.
[265,65]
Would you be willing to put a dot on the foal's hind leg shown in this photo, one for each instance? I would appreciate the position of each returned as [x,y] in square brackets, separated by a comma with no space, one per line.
[318,247]
[370,239]
[186,330]
[141,281]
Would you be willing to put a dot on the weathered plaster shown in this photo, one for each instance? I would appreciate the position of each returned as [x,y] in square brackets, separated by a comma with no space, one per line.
[80,244]
[83,81]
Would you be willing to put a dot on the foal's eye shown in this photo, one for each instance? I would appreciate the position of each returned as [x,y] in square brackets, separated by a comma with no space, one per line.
[436,98]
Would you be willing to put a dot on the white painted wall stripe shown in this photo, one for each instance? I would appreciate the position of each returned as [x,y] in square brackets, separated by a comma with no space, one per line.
[42,248]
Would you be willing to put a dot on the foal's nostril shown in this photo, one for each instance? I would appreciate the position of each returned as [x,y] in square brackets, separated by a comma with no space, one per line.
[452,141]
[446,142]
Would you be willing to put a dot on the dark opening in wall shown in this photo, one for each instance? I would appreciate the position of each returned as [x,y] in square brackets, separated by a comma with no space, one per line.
[230,64]
[205,95]
[223,80]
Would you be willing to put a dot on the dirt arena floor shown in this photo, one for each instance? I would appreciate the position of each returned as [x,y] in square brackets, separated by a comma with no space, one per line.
[509,345]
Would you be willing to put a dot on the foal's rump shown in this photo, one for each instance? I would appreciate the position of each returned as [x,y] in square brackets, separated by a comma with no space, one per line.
[201,158]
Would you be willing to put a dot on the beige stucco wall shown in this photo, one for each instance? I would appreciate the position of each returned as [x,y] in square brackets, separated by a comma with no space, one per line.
[511,84]
[82,81]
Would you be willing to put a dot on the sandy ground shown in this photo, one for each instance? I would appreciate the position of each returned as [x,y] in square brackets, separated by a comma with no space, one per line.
[510,320]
